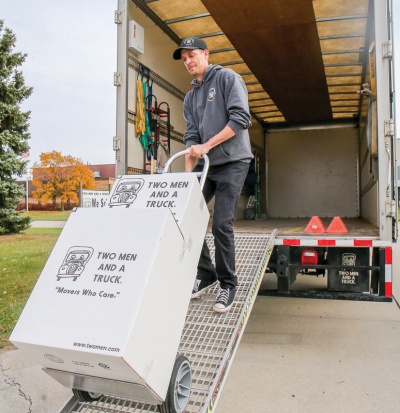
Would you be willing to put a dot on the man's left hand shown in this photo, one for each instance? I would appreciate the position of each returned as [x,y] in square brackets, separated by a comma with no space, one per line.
[199,150]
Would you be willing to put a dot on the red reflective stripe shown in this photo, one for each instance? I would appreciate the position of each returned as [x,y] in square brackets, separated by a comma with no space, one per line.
[388,255]
[326,242]
[359,243]
[291,242]
[388,289]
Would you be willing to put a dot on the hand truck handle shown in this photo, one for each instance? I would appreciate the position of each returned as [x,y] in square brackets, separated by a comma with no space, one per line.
[203,175]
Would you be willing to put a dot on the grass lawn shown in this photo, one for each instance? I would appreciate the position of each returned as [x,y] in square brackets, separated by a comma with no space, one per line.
[22,258]
[48,215]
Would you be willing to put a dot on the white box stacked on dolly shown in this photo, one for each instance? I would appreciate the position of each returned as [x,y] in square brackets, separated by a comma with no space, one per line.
[179,192]
[108,310]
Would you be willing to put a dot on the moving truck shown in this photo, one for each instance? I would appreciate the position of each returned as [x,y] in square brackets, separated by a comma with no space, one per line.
[320,203]
[320,83]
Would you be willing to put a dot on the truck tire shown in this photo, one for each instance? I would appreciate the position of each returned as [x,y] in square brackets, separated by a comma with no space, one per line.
[85,396]
[179,387]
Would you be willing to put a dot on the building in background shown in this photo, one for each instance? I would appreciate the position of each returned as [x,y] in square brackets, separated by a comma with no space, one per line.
[104,175]
[31,188]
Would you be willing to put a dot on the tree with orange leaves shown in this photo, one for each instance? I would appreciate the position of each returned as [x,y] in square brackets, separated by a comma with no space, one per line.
[57,175]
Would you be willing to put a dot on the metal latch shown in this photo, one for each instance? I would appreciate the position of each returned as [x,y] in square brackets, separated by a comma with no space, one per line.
[387,49]
[367,91]
[116,143]
[389,127]
[118,17]
[117,79]
[391,209]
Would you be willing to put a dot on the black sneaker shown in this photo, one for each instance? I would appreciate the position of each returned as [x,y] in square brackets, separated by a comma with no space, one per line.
[224,300]
[200,286]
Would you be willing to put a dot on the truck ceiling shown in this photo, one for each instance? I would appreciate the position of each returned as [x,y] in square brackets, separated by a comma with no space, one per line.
[302,60]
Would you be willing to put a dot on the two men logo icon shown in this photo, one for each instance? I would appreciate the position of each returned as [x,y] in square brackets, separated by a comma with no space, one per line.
[211,94]
[74,262]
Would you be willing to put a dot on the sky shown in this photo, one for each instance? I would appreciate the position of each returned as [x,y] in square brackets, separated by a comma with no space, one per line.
[72,54]
[71,47]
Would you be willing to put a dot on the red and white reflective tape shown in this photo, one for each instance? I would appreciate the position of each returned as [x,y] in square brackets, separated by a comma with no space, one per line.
[329,242]
[388,271]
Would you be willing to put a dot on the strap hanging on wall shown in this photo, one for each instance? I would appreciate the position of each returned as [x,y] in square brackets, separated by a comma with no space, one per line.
[144,88]
[144,72]
[140,127]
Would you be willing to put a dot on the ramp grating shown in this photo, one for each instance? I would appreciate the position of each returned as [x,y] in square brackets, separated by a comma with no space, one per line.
[209,340]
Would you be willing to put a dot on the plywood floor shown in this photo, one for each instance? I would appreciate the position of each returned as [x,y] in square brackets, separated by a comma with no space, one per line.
[294,227]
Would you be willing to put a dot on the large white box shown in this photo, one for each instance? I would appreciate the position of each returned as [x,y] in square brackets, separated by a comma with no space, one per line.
[179,192]
[112,298]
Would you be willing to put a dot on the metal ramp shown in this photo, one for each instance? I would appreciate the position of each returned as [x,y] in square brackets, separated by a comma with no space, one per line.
[209,340]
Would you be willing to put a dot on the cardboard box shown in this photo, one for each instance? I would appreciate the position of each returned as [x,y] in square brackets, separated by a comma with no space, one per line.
[112,298]
[179,192]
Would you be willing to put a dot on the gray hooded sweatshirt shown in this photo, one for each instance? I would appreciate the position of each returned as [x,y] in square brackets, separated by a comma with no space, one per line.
[219,100]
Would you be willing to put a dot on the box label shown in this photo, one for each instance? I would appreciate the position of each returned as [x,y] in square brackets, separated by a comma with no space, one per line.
[153,192]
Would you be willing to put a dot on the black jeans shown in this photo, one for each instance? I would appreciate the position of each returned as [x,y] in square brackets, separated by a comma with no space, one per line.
[226,183]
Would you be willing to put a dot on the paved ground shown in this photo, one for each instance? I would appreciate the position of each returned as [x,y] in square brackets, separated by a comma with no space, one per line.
[309,356]
[24,387]
[48,224]
[297,356]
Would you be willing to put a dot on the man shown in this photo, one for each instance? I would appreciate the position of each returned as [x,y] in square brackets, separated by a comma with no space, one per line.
[217,118]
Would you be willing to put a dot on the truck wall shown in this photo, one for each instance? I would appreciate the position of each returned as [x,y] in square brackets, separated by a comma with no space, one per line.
[158,49]
[257,139]
[368,156]
[368,172]
[313,173]
[256,133]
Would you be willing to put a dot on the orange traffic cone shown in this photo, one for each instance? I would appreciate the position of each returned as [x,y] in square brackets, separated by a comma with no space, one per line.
[315,225]
[337,226]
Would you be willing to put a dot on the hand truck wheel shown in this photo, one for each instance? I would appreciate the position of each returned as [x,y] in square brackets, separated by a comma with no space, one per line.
[179,387]
[85,396]
[249,213]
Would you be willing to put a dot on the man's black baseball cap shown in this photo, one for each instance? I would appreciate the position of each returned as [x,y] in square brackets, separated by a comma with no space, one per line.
[190,43]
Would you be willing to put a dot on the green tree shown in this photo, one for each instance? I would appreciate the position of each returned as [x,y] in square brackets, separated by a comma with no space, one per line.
[13,133]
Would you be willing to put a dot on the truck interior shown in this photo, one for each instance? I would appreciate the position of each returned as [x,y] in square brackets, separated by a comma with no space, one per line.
[314,137]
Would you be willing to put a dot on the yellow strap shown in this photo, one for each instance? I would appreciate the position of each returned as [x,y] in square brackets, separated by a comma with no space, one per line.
[140,127]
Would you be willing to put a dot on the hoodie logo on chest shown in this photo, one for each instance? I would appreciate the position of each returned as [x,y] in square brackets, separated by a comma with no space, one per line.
[211,94]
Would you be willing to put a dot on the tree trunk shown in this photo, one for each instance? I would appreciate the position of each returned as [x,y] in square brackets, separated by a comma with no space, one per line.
[62,206]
